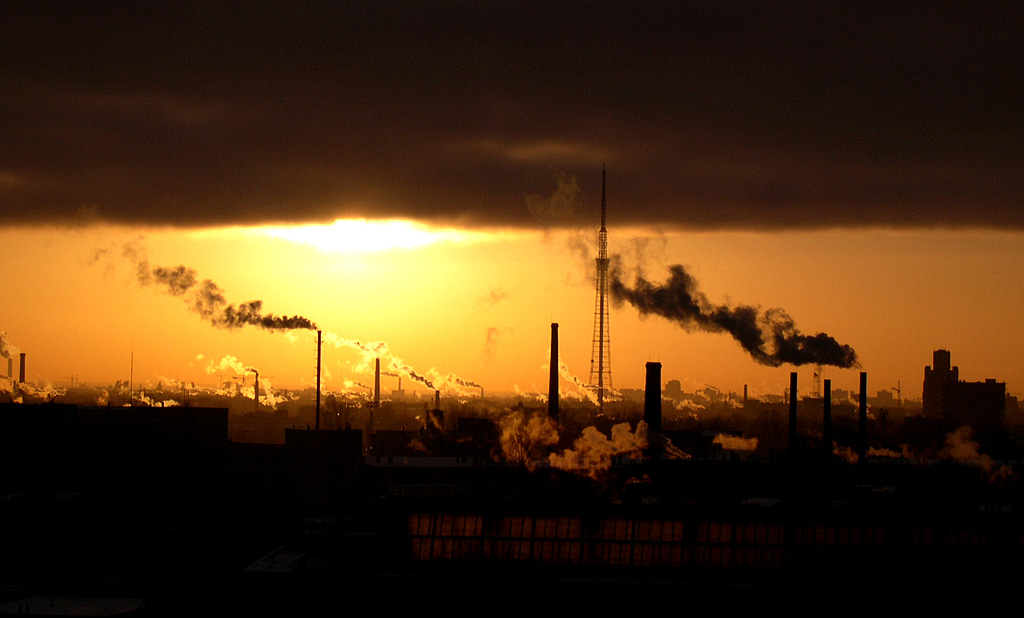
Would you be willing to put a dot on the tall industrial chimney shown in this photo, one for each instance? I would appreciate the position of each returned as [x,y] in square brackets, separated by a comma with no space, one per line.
[437,400]
[792,411]
[376,384]
[826,420]
[10,368]
[652,398]
[862,424]
[21,374]
[319,343]
[553,374]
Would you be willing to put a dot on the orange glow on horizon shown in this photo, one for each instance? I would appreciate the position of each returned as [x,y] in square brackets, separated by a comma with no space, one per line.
[478,304]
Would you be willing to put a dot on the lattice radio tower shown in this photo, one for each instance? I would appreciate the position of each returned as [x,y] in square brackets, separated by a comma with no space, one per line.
[601,355]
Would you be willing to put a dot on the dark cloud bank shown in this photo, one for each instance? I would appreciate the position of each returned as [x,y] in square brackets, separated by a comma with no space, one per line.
[708,115]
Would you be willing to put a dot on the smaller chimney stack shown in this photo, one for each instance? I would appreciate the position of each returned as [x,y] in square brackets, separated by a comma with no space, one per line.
[826,420]
[792,411]
[862,424]
[21,374]
[437,400]
[652,397]
[376,384]
[10,368]
[319,343]
[553,374]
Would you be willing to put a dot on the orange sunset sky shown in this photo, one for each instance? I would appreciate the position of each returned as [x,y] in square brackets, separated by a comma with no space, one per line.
[429,176]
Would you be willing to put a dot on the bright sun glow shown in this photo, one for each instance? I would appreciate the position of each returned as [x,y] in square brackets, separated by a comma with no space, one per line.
[360,235]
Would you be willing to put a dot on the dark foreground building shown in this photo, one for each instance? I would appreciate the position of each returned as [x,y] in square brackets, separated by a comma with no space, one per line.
[955,402]
[156,504]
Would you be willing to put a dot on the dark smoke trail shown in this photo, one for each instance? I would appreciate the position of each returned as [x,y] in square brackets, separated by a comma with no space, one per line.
[415,377]
[207,299]
[451,378]
[771,337]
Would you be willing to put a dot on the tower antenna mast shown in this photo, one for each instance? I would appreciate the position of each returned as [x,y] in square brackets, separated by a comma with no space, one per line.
[601,357]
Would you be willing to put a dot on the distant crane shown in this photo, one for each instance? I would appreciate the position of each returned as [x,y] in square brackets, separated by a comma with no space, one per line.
[899,396]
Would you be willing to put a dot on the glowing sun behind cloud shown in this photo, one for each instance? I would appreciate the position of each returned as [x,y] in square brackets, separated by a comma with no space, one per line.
[360,235]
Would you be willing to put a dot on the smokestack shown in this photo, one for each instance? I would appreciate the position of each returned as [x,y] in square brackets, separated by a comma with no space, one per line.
[319,344]
[744,395]
[652,398]
[21,374]
[376,384]
[792,411]
[10,368]
[437,400]
[862,424]
[553,374]
[826,420]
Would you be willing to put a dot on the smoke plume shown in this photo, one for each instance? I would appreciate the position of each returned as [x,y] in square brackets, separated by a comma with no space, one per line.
[453,380]
[584,389]
[7,349]
[228,362]
[395,366]
[525,440]
[206,298]
[378,349]
[592,452]
[770,337]
[961,447]
[735,443]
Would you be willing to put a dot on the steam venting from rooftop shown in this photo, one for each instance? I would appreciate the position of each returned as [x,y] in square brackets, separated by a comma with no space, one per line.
[205,297]
[770,336]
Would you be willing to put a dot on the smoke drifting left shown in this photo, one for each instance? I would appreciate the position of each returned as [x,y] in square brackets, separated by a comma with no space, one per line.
[396,366]
[206,298]
[770,337]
